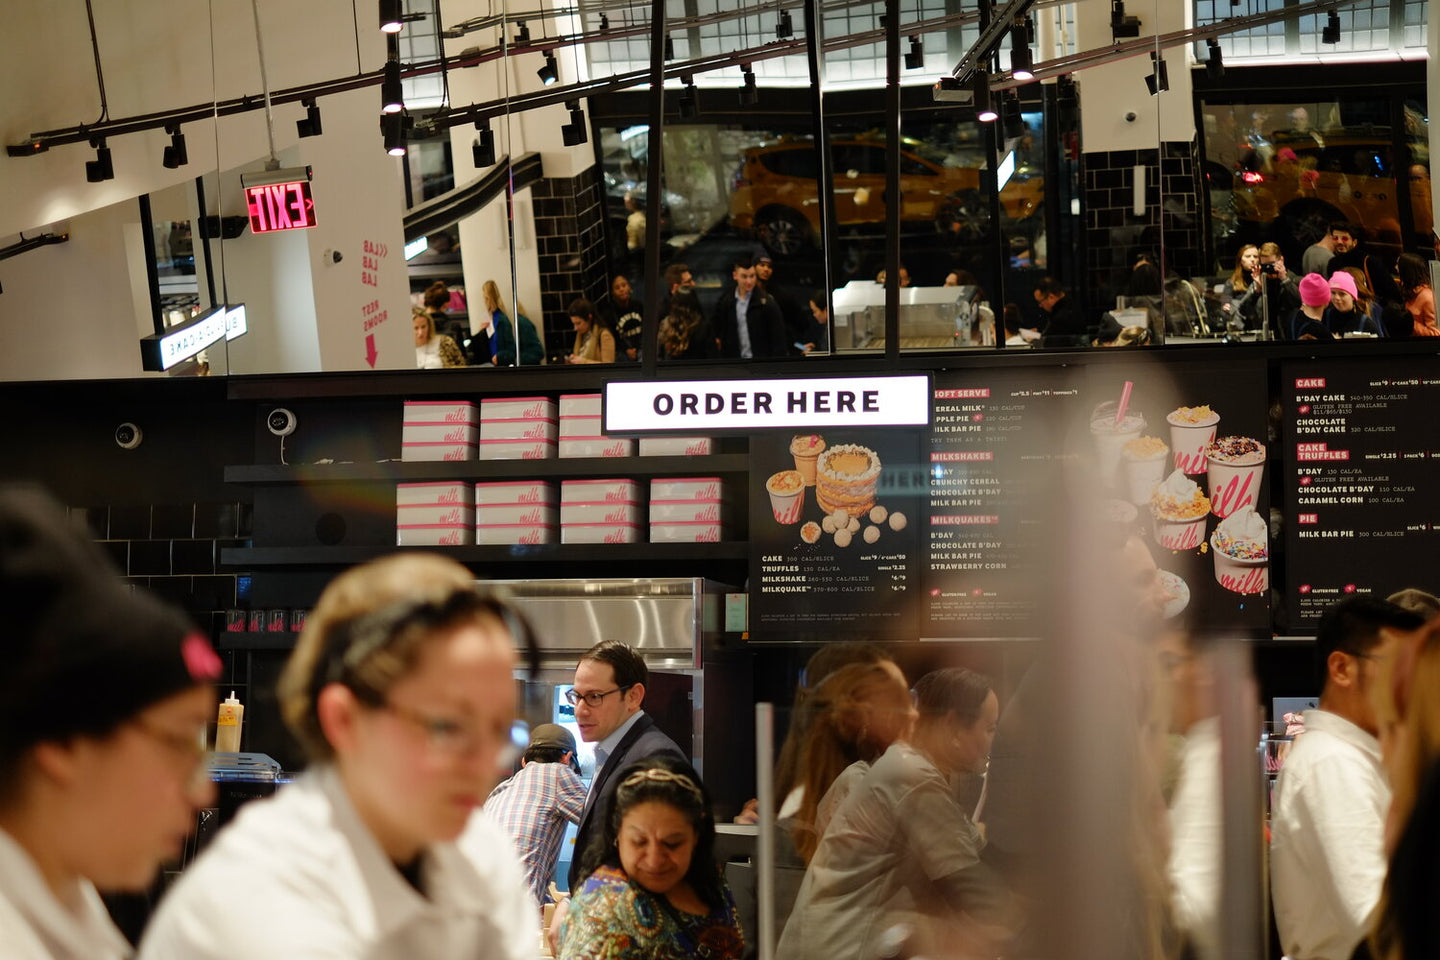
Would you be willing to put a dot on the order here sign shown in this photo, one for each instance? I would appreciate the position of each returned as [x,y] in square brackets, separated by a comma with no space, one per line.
[704,405]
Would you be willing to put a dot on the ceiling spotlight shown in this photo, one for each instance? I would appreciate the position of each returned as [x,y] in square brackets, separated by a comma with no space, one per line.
[1214,64]
[1021,66]
[689,99]
[392,95]
[749,93]
[573,133]
[915,56]
[392,125]
[604,23]
[1120,24]
[984,111]
[1159,78]
[175,154]
[391,17]
[310,126]
[522,35]
[1011,117]
[1330,33]
[784,26]
[100,168]
[484,148]
[549,73]
[669,48]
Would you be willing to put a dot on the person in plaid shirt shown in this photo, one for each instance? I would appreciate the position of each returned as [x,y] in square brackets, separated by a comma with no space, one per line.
[534,805]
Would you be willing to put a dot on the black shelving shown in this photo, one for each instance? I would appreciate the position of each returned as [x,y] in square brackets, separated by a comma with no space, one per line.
[607,554]
[403,472]
[245,640]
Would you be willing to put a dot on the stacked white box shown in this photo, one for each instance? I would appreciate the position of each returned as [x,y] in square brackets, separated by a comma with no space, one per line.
[430,514]
[600,511]
[688,510]
[676,446]
[521,449]
[439,430]
[521,511]
[517,428]
[580,434]
[596,446]
[579,405]
[516,408]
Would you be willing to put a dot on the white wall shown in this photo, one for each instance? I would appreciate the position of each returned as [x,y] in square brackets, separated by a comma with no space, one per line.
[1110,91]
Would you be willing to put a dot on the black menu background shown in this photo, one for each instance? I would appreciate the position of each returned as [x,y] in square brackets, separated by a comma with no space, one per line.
[1362,451]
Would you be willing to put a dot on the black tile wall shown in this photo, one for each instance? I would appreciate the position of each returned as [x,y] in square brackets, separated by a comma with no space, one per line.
[172,520]
[129,522]
[570,240]
[192,556]
[149,558]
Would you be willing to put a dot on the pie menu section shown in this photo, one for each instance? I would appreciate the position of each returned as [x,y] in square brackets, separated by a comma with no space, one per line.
[1364,452]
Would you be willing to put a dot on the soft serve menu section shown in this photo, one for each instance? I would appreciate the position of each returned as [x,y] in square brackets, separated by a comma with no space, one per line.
[1364,441]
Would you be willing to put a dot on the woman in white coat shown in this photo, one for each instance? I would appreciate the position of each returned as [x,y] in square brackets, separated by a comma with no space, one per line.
[400,689]
[104,696]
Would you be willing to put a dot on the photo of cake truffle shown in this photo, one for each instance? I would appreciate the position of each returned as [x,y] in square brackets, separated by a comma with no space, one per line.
[845,479]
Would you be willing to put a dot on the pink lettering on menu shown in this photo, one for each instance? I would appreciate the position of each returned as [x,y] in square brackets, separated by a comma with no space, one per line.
[1255,581]
[1233,496]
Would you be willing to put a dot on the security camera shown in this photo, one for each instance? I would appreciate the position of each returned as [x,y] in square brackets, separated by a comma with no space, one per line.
[128,436]
[281,422]
[1130,117]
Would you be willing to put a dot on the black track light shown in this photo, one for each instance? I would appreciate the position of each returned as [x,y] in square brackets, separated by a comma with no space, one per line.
[573,133]
[522,35]
[549,73]
[101,167]
[175,154]
[604,23]
[1159,78]
[1121,25]
[915,56]
[484,149]
[1214,61]
[391,16]
[392,95]
[749,93]
[784,26]
[1067,102]
[1011,117]
[669,48]
[1330,33]
[689,99]
[310,125]
[1021,65]
[392,126]
[984,111]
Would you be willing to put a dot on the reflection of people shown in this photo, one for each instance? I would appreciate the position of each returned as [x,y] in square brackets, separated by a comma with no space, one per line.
[624,315]
[1419,298]
[104,698]
[817,334]
[433,350]
[401,691]
[594,343]
[1347,313]
[1065,327]
[634,223]
[652,885]
[1308,323]
[684,332]
[904,277]
[532,351]
[747,320]
[797,318]
[534,804]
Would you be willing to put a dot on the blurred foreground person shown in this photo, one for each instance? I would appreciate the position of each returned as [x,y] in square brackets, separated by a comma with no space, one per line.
[653,890]
[400,690]
[1327,849]
[104,697]
[901,850]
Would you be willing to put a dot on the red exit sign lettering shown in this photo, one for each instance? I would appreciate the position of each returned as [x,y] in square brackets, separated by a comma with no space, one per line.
[280,206]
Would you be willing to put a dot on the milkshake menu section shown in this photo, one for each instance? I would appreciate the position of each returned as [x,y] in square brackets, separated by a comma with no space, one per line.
[1364,452]
[833,532]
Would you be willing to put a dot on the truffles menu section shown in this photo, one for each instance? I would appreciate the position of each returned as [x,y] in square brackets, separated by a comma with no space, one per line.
[1364,447]
[833,532]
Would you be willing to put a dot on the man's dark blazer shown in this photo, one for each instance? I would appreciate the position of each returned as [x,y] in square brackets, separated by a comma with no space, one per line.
[763,319]
[642,740]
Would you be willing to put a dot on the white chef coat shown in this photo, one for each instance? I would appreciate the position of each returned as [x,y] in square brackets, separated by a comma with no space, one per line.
[35,926]
[300,876]
[1327,847]
[1197,835]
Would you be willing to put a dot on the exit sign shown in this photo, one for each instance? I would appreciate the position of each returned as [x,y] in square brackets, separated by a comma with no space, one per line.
[280,206]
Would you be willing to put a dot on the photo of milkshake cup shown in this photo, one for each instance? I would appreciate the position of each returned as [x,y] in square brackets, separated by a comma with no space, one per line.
[1236,466]
[1110,439]
[787,495]
[806,449]
[1143,462]
[1179,509]
[1192,429]
[1241,548]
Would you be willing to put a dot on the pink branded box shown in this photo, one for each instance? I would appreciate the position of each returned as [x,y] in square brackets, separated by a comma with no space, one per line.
[600,533]
[517,449]
[440,411]
[514,533]
[687,488]
[421,514]
[427,452]
[510,514]
[434,534]
[509,492]
[440,433]
[601,513]
[687,511]
[694,531]
[457,492]
[596,447]
[517,408]
[599,491]
[676,446]
[533,429]
[580,405]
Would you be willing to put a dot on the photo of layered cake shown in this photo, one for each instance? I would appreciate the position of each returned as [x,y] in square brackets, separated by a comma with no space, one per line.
[1179,508]
[1241,546]
[845,479]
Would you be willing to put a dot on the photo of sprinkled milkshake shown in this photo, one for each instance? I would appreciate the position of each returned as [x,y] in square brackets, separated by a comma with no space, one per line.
[1235,466]
[1241,547]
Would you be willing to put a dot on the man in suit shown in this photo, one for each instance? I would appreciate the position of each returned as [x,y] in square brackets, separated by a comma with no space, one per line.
[762,333]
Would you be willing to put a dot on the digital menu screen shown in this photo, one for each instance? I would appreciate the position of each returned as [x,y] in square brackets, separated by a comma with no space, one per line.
[1362,450]
[834,516]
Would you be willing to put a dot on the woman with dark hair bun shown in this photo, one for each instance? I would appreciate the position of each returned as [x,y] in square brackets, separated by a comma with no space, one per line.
[652,886]
[684,332]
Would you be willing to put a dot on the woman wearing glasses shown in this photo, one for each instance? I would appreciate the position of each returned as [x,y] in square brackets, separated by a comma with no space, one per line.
[652,886]
[401,692]
[104,696]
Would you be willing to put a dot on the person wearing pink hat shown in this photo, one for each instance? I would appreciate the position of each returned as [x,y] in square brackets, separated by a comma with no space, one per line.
[1345,313]
[1308,323]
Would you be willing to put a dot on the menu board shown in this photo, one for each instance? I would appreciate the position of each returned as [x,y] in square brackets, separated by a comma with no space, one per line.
[1366,450]
[1017,456]
[833,531]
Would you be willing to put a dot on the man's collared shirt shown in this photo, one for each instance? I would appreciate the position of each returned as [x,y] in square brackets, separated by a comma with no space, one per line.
[533,807]
[742,329]
[606,747]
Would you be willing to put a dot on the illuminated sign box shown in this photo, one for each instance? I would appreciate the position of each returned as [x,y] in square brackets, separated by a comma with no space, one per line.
[279,200]
[235,325]
[161,351]
[701,406]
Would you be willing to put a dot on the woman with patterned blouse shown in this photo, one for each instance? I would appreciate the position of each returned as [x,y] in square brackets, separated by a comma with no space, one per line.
[653,889]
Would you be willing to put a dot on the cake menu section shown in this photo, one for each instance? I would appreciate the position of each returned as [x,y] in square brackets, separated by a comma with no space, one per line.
[1363,454]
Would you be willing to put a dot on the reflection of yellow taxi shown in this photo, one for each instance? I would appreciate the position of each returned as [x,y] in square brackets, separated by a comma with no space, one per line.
[775,191]
[1308,181]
